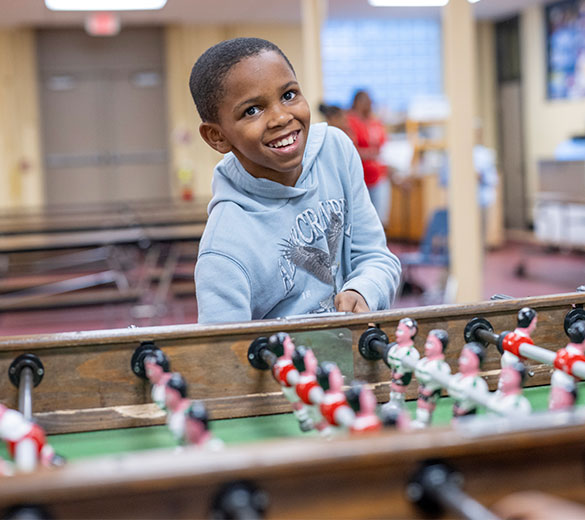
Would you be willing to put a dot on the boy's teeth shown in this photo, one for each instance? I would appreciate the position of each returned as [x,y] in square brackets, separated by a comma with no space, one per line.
[284,142]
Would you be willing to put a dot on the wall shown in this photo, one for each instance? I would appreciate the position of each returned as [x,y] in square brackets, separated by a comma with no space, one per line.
[21,169]
[546,123]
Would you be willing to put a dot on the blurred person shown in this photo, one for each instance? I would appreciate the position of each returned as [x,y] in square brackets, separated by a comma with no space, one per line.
[368,134]
[335,116]
[484,163]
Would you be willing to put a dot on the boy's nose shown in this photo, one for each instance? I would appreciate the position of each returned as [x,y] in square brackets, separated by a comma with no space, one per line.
[279,116]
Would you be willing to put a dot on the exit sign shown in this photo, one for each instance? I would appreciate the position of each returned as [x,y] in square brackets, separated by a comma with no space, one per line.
[102,24]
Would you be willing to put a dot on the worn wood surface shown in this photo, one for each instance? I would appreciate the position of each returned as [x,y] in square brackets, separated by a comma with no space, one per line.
[90,371]
[99,217]
[95,238]
[348,477]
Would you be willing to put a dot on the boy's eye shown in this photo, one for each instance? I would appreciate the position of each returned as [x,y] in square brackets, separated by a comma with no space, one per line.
[251,111]
[289,95]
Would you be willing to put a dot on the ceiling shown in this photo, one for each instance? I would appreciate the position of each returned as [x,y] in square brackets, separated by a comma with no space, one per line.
[34,13]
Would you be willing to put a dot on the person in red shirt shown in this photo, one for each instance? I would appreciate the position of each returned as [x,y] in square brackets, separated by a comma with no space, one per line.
[368,134]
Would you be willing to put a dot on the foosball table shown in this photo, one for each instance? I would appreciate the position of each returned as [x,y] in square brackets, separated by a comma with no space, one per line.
[89,393]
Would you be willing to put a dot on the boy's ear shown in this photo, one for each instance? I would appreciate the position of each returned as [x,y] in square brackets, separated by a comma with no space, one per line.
[213,136]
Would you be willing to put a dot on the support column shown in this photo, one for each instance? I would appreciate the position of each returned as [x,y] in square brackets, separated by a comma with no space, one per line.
[313,14]
[465,242]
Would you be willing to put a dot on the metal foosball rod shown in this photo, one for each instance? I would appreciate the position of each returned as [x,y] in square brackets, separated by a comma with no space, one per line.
[373,340]
[436,487]
[25,372]
[481,330]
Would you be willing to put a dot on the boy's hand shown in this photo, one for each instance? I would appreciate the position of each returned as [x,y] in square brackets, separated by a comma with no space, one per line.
[350,301]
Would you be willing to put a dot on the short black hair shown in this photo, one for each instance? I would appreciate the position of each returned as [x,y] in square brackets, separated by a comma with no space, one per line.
[197,411]
[442,336]
[210,69]
[176,382]
[323,372]
[519,367]
[276,343]
[525,316]
[576,332]
[353,393]
[298,358]
[330,110]
[158,357]
[477,348]
[411,324]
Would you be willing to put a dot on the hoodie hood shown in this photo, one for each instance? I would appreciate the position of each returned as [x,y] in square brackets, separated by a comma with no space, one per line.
[231,182]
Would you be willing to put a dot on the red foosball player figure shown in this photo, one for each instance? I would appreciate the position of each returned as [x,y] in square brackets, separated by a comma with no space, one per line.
[429,389]
[563,385]
[526,324]
[158,372]
[197,431]
[334,408]
[307,388]
[402,348]
[26,442]
[509,399]
[287,376]
[176,404]
[363,402]
[468,379]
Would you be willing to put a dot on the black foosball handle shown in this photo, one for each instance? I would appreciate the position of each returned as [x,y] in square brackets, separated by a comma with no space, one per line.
[239,500]
[481,331]
[373,344]
[260,355]
[436,487]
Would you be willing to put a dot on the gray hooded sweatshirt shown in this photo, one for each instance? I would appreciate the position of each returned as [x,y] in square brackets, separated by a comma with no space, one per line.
[271,250]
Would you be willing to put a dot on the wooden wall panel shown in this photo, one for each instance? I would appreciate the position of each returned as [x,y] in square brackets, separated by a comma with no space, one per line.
[21,170]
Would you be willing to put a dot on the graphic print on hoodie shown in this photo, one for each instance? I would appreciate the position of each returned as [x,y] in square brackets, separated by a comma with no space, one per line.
[298,251]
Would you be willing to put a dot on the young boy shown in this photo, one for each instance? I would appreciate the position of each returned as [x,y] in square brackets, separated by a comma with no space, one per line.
[291,229]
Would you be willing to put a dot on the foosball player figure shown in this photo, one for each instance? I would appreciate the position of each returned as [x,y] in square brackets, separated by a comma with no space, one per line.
[397,351]
[158,372]
[363,402]
[509,399]
[287,376]
[197,431]
[526,324]
[308,389]
[395,416]
[468,378]
[563,385]
[26,442]
[177,404]
[6,468]
[429,390]
[334,408]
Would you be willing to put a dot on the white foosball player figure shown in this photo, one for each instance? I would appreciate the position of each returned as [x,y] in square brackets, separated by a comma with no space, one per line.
[429,389]
[26,442]
[402,348]
[468,380]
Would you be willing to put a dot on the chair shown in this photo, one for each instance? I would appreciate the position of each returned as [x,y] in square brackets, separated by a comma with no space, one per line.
[433,252]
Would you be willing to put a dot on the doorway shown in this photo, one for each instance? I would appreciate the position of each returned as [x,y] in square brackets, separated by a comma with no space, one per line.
[104,127]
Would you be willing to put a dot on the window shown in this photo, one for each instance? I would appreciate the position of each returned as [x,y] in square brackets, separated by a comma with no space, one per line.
[394,59]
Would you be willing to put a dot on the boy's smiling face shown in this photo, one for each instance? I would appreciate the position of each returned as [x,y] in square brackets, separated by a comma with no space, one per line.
[263,118]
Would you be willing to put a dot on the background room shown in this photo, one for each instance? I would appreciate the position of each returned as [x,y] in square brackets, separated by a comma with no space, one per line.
[104,179]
